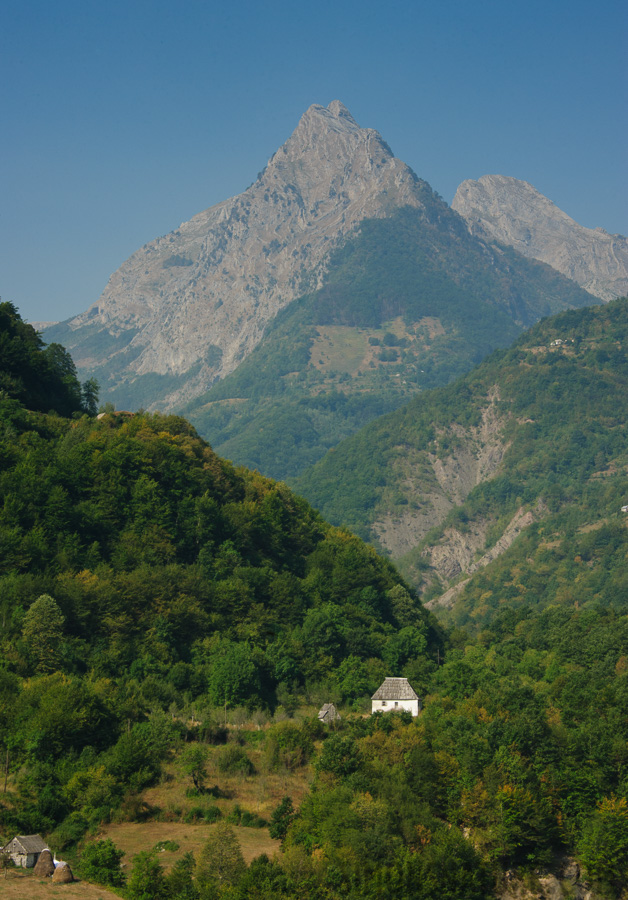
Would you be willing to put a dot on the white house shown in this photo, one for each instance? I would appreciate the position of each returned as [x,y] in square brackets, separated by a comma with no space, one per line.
[396,694]
[25,849]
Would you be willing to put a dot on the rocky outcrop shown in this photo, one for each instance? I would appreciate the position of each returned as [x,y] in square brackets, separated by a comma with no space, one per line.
[512,212]
[195,302]
[436,483]
[456,552]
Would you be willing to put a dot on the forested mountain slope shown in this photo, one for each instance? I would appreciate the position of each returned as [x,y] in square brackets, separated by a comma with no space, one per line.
[410,302]
[531,443]
[42,377]
[146,584]
[139,571]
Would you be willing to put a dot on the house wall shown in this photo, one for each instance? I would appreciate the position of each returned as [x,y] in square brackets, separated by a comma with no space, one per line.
[19,857]
[412,706]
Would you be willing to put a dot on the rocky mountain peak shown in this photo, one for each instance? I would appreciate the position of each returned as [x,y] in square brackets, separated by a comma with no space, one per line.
[513,212]
[191,305]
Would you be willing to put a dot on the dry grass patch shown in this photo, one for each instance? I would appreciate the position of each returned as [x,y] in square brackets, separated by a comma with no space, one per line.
[134,837]
[259,793]
[21,886]
[339,348]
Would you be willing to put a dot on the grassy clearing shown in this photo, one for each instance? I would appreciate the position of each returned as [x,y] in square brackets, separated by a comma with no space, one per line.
[259,793]
[340,348]
[133,837]
[20,885]
[173,799]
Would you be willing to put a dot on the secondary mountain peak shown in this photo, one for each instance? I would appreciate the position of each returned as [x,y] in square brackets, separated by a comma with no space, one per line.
[513,212]
[185,309]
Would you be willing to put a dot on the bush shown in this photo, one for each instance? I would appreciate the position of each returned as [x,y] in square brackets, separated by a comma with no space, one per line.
[289,745]
[339,756]
[202,814]
[170,846]
[69,832]
[232,760]
[239,816]
[100,862]
[281,819]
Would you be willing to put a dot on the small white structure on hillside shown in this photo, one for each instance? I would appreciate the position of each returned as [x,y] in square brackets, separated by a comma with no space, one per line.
[396,694]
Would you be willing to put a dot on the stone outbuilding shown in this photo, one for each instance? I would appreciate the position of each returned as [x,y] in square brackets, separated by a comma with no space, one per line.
[328,713]
[395,694]
[25,849]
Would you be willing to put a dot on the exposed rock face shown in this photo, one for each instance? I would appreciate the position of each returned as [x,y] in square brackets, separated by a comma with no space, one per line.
[498,208]
[456,552]
[201,296]
[476,458]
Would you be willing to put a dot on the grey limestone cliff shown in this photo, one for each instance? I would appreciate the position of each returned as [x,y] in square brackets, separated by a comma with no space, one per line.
[498,208]
[191,305]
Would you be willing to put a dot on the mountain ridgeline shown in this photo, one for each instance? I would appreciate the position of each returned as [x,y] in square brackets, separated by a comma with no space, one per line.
[527,452]
[364,250]
[512,212]
[411,302]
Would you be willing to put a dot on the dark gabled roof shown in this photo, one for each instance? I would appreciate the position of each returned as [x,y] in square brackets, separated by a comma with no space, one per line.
[31,843]
[395,689]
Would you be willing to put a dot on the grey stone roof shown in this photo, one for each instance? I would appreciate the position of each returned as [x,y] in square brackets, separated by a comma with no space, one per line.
[31,843]
[395,689]
[328,711]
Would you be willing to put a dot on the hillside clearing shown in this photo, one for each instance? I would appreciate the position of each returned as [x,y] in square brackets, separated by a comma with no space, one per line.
[134,837]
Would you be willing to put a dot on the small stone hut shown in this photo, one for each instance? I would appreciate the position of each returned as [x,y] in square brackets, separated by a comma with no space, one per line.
[25,849]
[328,713]
[395,694]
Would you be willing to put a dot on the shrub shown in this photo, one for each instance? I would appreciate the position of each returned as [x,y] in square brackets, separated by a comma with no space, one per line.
[202,814]
[289,745]
[239,816]
[232,760]
[281,819]
[100,862]
[170,846]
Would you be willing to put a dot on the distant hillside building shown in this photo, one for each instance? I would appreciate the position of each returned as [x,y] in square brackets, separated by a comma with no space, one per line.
[396,694]
[25,849]
[328,713]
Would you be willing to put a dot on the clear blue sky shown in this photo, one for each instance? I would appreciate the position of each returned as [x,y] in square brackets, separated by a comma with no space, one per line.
[120,120]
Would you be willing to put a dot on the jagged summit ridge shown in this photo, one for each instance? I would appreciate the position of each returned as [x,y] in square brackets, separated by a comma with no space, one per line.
[504,209]
[199,298]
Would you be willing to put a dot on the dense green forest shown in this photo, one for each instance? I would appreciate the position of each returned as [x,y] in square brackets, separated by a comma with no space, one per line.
[139,570]
[558,415]
[146,585]
[409,303]
[42,376]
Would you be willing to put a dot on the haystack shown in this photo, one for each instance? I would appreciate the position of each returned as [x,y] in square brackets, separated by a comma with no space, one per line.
[63,874]
[44,865]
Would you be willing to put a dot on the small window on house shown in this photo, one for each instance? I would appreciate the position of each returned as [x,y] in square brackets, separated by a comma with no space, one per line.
[396,704]
[383,703]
